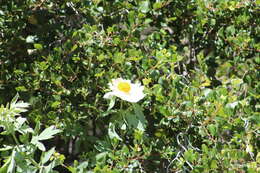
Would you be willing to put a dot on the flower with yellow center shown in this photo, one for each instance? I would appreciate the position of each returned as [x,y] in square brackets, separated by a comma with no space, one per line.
[125,90]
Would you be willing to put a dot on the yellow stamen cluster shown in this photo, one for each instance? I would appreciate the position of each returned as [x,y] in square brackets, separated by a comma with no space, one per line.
[124,86]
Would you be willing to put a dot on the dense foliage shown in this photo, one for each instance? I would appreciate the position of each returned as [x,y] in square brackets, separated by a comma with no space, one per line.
[198,60]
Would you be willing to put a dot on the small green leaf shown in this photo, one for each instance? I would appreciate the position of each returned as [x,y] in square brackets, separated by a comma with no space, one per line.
[119,57]
[189,155]
[212,129]
[214,164]
[101,156]
[74,47]
[38,46]
[112,132]
[72,169]
[144,6]
[111,103]
[131,17]
[40,146]
[157,5]
[55,104]
[20,88]
[139,114]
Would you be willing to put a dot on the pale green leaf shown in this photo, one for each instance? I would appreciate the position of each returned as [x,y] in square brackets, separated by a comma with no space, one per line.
[48,133]
[112,132]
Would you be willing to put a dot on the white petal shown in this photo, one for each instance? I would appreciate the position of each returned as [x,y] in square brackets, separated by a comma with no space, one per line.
[135,94]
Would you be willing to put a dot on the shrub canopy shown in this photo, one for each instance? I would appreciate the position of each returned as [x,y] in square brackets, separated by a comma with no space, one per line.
[198,60]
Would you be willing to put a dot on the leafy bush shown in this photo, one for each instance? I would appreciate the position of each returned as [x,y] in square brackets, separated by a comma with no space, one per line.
[22,158]
[199,63]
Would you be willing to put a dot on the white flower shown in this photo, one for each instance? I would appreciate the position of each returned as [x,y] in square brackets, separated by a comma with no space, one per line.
[125,90]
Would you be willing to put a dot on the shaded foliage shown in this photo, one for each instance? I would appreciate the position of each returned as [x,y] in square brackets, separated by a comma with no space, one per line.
[199,61]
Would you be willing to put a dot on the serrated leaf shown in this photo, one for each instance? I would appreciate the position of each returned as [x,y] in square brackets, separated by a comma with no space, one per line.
[20,121]
[19,106]
[48,133]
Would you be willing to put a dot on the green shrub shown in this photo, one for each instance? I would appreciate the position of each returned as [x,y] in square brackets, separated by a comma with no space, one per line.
[198,60]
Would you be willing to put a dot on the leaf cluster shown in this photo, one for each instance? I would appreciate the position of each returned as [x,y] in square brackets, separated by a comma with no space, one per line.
[198,60]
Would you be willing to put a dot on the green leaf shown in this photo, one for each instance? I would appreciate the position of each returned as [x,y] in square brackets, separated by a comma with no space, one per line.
[144,6]
[112,132]
[131,119]
[189,155]
[38,46]
[111,103]
[55,104]
[157,5]
[37,128]
[131,17]
[74,47]
[140,116]
[20,88]
[212,129]
[14,100]
[20,121]
[47,155]
[40,146]
[205,148]
[231,30]
[3,169]
[119,57]
[48,133]
[11,166]
[6,148]
[72,169]
[214,164]
[101,156]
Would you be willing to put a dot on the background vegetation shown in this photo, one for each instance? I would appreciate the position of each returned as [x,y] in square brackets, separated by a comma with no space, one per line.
[199,61]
